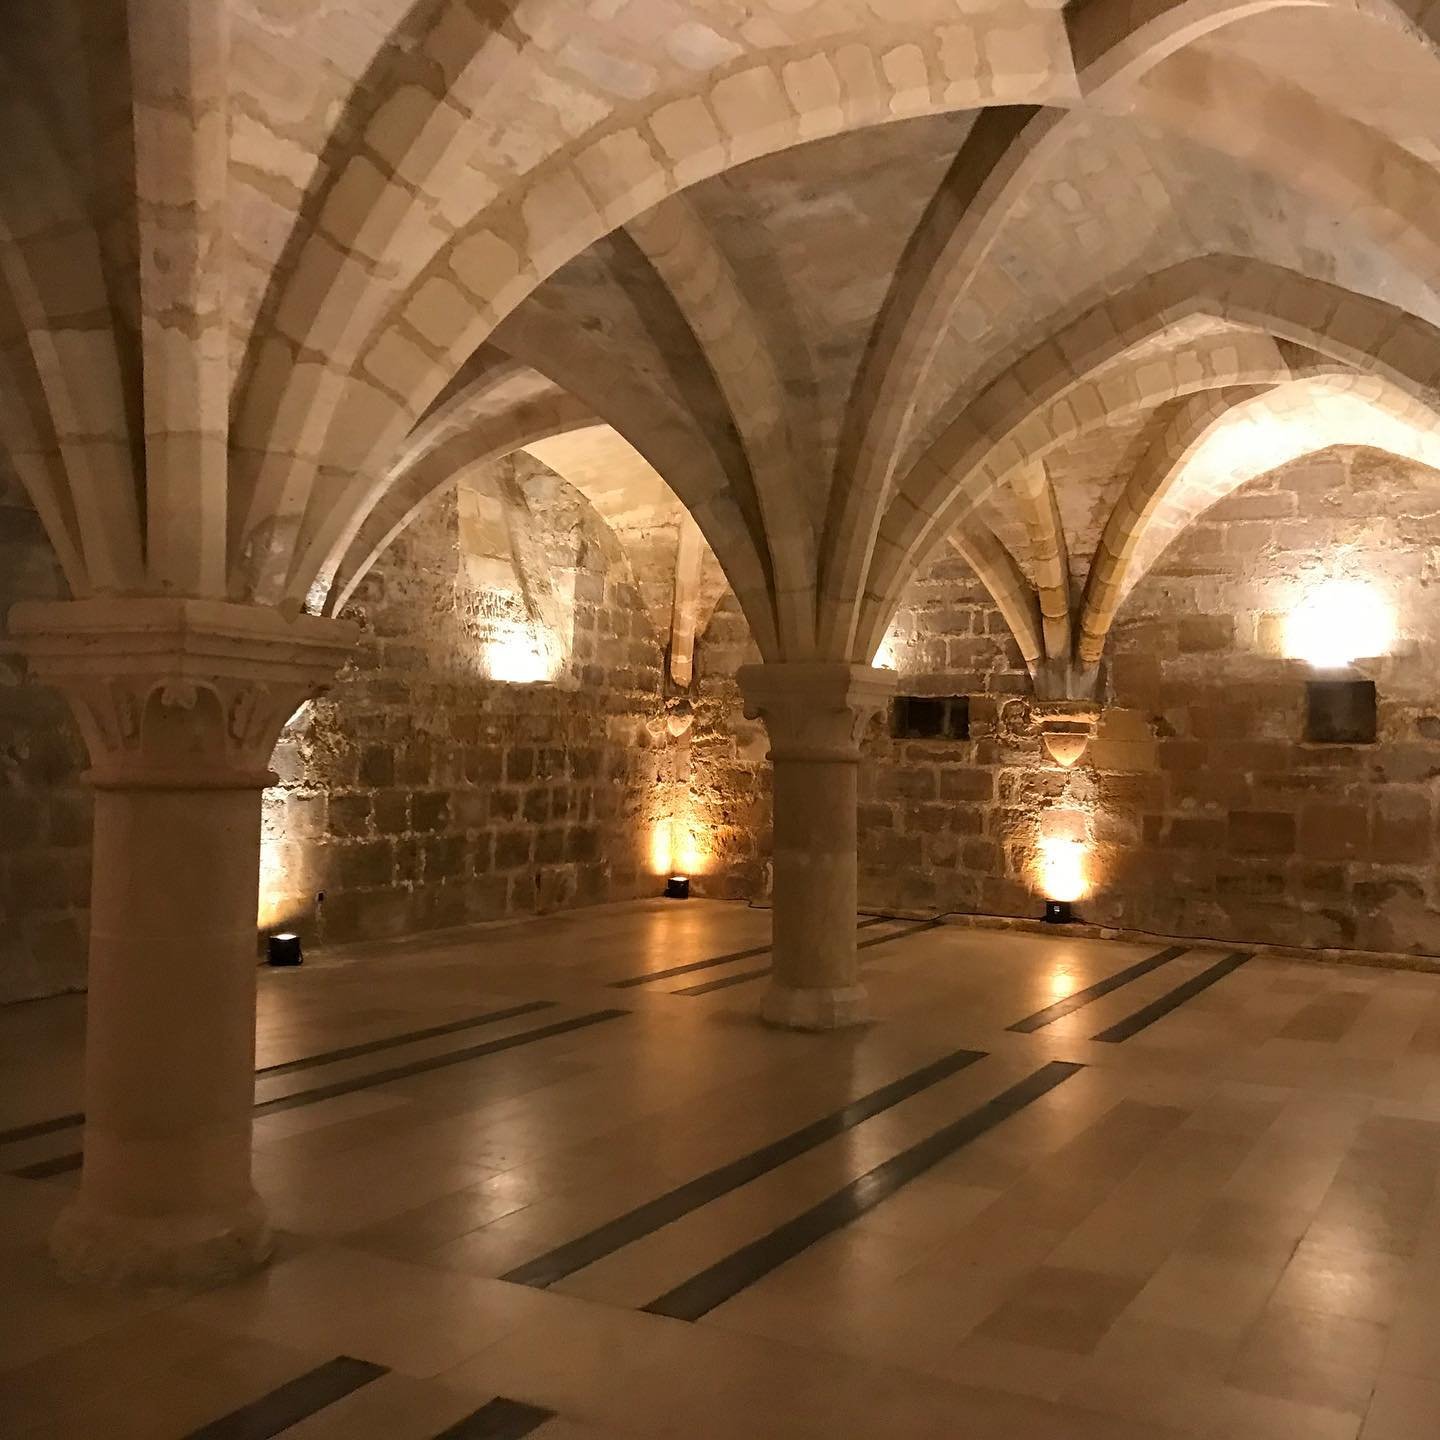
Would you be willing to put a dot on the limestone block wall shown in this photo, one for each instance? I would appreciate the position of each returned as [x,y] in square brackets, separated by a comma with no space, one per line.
[728,787]
[1205,811]
[422,792]
[44,807]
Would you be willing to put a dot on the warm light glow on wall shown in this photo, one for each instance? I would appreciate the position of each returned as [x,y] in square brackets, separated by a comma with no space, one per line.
[692,857]
[1062,868]
[1061,849]
[662,850]
[678,847]
[1340,621]
[517,654]
[272,877]
[279,904]
[898,641]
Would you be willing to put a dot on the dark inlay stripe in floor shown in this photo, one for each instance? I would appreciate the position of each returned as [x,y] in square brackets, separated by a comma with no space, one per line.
[665,1209]
[37,1128]
[293,1401]
[501,1419]
[309,1062]
[1172,1000]
[61,1164]
[1071,1003]
[689,969]
[726,981]
[726,1278]
[410,1037]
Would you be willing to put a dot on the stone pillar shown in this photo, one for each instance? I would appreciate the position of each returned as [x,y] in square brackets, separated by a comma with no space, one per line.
[180,703]
[815,713]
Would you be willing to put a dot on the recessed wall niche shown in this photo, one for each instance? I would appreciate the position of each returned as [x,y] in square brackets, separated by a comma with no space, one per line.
[930,717]
[1340,712]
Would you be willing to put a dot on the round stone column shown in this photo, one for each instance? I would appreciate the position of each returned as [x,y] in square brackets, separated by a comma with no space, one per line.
[180,702]
[815,713]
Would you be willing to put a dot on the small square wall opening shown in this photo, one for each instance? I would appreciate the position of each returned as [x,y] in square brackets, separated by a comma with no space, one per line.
[1340,712]
[930,717]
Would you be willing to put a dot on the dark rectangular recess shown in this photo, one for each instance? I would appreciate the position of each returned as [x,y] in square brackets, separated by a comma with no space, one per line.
[930,717]
[1340,712]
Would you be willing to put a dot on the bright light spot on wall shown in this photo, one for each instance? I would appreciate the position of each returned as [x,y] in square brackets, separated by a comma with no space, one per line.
[1062,869]
[516,653]
[272,885]
[662,849]
[692,857]
[678,847]
[280,904]
[898,639]
[1061,847]
[1339,621]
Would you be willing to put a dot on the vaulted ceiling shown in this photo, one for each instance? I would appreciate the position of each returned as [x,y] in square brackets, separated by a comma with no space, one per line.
[856,282]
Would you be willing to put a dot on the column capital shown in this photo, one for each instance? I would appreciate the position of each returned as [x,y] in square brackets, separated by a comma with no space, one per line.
[175,693]
[1067,727]
[814,709]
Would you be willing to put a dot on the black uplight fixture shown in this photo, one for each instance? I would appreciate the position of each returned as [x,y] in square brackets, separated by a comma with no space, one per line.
[1059,912]
[677,887]
[284,949]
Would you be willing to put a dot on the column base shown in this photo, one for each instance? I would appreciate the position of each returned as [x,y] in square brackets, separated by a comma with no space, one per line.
[814,1009]
[95,1247]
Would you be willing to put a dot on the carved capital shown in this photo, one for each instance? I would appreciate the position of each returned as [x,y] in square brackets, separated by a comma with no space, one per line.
[815,709]
[179,693]
[1067,727]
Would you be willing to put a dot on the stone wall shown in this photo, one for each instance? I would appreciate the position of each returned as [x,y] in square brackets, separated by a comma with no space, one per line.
[729,776]
[422,792]
[44,807]
[1207,813]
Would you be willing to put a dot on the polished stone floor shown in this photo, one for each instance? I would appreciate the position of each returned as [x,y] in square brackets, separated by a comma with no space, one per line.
[1061,1190]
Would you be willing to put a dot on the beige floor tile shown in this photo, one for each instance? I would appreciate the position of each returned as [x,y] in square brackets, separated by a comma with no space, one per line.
[412,1318]
[1358,1284]
[1404,1407]
[1060,1308]
[1215,1231]
[1328,1361]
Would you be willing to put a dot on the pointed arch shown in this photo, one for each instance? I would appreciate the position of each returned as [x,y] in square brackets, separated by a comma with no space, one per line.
[698,276]
[1040,512]
[1014,596]
[423,245]
[1350,330]
[1191,421]
[1115,42]
[68,373]
[1169,488]
[1234,109]
[426,471]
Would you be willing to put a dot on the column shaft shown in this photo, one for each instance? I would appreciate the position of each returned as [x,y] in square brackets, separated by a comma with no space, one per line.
[815,713]
[180,702]
[815,884]
[170,1039]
